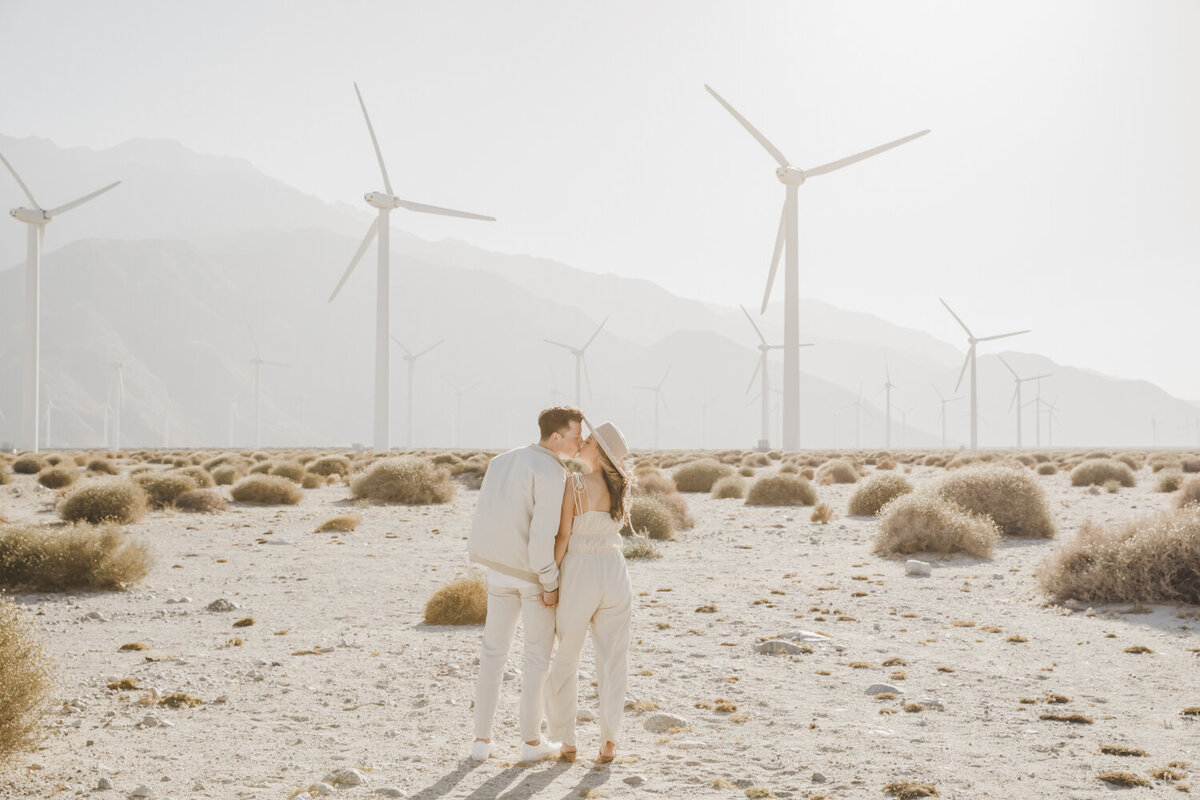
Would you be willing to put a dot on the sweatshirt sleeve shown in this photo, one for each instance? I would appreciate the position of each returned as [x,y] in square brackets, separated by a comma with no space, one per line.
[548,487]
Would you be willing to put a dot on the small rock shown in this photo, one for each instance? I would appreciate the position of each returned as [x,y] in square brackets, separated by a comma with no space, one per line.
[104,784]
[142,790]
[778,646]
[348,777]
[150,721]
[221,604]
[635,780]
[818,778]
[661,723]
[742,783]
[509,675]
[585,715]
[280,541]
[804,636]
[883,688]
[914,567]
[322,788]
[94,616]
[932,702]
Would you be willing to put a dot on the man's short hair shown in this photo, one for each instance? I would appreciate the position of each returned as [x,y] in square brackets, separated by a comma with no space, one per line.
[557,419]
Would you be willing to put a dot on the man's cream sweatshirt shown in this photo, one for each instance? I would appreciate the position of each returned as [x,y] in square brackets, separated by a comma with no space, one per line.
[516,518]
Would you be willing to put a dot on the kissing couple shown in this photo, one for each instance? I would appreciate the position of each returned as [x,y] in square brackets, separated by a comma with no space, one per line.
[551,541]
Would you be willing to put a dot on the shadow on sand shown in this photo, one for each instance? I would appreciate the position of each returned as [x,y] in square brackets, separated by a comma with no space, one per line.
[534,782]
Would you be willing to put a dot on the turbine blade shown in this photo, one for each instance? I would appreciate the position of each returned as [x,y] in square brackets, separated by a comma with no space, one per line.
[967,360]
[277,363]
[663,400]
[757,366]
[848,160]
[1013,400]
[587,378]
[960,322]
[664,378]
[387,184]
[779,157]
[761,338]
[559,344]
[446,212]
[594,335]
[1000,336]
[1043,375]
[779,237]
[935,389]
[362,248]
[67,207]
[401,345]
[24,188]
[1010,369]
[427,349]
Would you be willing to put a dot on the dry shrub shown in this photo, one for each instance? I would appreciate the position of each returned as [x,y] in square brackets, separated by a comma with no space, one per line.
[910,790]
[222,460]
[228,474]
[292,470]
[1101,470]
[57,477]
[199,475]
[344,523]
[745,472]
[678,507]
[640,547]
[649,517]
[700,475]
[885,464]
[876,492]
[781,490]
[790,469]
[266,490]
[653,483]
[445,460]
[24,683]
[926,523]
[756,460]
[408,480]
[822,513]
[79,557]
[162,488]
[1009,495]
[102,466]
[1161,461]
[1190,463]
[204,501]
[1047,468]
[837,470]
[1189,493]
[28,465]
[963,460]
[312,481]
[4,479]
[731,487]
[116,500]
[460,602]
[1169,480]
[330,465]
[1155,559]
[1123,779]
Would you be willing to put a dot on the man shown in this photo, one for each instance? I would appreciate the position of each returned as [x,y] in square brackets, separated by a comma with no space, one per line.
[513,532]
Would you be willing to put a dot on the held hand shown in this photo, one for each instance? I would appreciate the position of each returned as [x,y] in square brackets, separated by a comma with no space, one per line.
[550,599]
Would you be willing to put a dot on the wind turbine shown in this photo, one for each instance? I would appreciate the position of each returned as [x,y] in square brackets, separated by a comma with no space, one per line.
[1051,414]
[887,388]
[458,408]
[36,218]
[385,202]
[118,389]
[904,412]
[258,362]
[764,439]
[792,177]
[1016,398]
[658,399]
[554,392]
[857,415]
[580,364]
[942,413]
[412,364]
[970,360]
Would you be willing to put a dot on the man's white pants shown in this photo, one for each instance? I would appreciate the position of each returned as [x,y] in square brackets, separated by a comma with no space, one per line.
[505,606]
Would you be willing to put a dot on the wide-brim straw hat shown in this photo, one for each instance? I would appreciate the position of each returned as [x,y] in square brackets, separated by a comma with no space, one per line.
[609,437]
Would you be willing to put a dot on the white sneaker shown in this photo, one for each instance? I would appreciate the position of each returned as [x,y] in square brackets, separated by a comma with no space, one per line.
[543,749]
[480,751]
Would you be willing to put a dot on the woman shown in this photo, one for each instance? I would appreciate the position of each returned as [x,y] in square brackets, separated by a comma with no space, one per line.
[595,590]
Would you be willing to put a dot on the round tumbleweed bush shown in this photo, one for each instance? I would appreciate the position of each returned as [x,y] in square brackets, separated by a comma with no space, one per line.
[781,490]
[163,487]
[922,522]
[51,559]
[729,488]
[203,501]
[57,477]
[1010,495]
[117,500]
[330,465]
[837,470]
[650,518]
[24,683]
[1189,494]
[408,480]
[460,602]
[700,475]
[1099,471]
[876,492]
[266,490]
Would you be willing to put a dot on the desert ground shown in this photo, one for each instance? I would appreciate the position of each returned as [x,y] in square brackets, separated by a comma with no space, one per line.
[338,685]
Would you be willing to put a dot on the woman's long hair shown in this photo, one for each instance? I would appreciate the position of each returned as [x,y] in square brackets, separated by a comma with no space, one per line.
[618,489]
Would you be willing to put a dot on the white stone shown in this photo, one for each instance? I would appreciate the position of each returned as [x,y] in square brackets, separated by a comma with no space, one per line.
[661,723]
[919,568]
[142,790]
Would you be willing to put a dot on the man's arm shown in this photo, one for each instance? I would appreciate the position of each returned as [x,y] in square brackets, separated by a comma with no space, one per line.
[547,506]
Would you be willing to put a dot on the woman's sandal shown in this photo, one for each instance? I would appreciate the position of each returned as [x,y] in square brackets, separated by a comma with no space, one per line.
[603,759]
[568,755]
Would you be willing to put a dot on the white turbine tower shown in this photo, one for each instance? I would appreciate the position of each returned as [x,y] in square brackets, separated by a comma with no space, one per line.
[1016,398]
[458,408]
[118,390]
[764,349]
[580,363]
[385,202]
[792,178]
[658,400]
[904,412]
[887,388]
[36,218]
[942,414]
[412,365]
[258,361]
[973,340]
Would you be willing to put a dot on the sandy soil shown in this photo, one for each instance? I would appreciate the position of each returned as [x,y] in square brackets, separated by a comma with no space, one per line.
[339,672]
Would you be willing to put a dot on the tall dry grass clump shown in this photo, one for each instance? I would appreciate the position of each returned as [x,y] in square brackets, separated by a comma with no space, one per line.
[729,488]
[876,492]
[57,477]
[1169,480]
[28,465]
[43,559]
[653,482]
[923,522]
[1190,463]
[408,480]
[1009,495]
[202,501]
[700,475]
[115,500]
[228,474]
[1098,471]
[460,602]
[292,470]
[24,683]
[837,470]
[781,490]
[268,490]
[649,517]
[1155,559]
[1189,494]
[330,465]
[162,488]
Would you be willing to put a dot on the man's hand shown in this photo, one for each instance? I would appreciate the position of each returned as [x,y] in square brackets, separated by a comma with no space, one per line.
[550,599]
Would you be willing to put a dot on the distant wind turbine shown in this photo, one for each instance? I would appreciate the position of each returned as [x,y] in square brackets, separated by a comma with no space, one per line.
[258,361]
[385,202]
[555,394]
[458,408]
[904,412]
[857,415]
[792,178]
[942,413]
[118,390]
[1016,398]
[1051,415]
[658,400]
[412,365]
[580,363]
[36,218]
[764,349]
[970,361]
[887,388]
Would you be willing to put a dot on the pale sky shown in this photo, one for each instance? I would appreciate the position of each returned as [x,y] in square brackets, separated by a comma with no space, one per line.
[1059,190]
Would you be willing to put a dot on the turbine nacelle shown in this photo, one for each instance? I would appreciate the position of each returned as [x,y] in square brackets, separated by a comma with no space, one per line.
[34,216]
[789,176]
[382,200]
